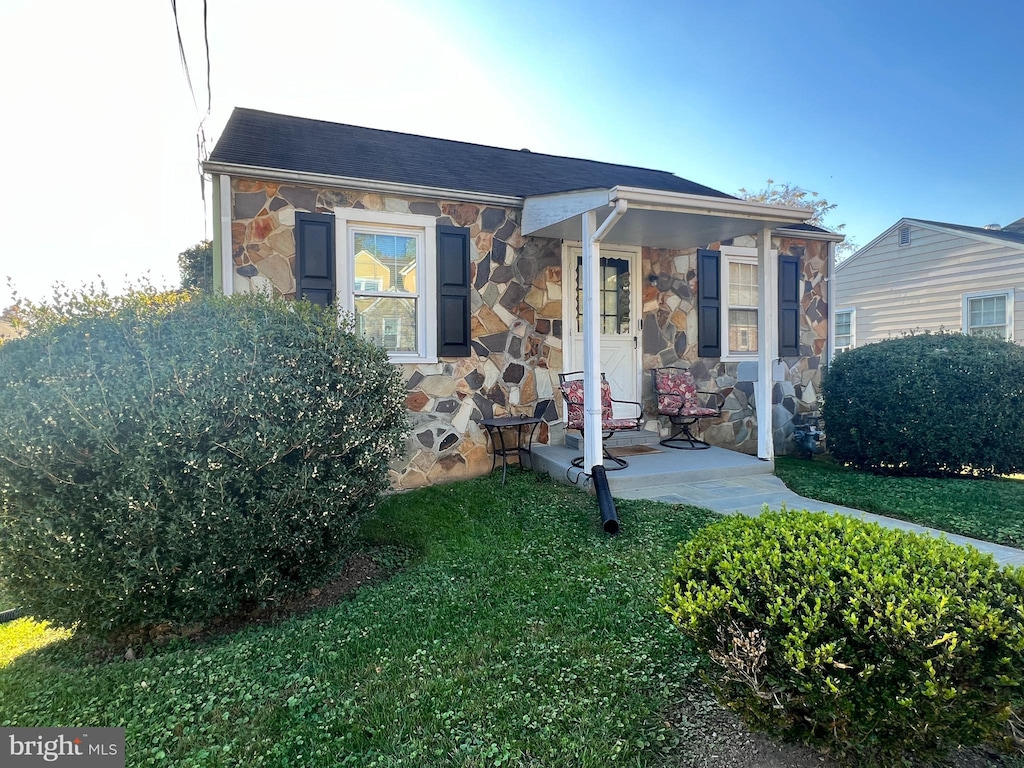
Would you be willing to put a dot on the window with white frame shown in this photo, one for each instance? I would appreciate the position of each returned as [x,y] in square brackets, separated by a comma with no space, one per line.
[740,309]
[989,314]
[385,265]
[843,339]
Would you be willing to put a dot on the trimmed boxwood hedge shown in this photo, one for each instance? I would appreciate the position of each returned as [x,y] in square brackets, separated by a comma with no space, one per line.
[929,405]
[868,642]
[173,457]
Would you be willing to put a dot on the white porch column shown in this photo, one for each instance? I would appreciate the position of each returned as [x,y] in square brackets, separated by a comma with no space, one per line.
[222,194]
[767,341]
[592,435]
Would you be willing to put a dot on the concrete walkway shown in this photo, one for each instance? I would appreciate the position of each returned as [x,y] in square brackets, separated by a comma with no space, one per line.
[747,495]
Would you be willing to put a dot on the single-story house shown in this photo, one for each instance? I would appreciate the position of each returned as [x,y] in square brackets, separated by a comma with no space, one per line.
[486,272]
[929,276]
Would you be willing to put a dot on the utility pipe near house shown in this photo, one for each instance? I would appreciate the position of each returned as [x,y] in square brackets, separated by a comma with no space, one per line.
[592,237]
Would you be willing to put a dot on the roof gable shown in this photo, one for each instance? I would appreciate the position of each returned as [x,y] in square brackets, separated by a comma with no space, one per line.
[281,142]
[1000,237]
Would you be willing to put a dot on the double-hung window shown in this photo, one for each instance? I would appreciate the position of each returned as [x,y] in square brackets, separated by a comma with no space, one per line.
[740,309]
[386,264]
[844,329]
[989,314]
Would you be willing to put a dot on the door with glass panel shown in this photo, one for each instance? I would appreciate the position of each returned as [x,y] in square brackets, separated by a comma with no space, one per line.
[617,318]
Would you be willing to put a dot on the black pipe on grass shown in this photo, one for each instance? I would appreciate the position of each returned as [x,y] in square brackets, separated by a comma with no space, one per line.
[609,517]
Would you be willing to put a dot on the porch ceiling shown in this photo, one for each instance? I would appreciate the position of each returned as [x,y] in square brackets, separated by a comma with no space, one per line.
[655,219]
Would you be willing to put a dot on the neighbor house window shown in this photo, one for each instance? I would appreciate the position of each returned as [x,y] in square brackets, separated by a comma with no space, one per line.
[844,330]
[385,269]
[740,308]
[989,314]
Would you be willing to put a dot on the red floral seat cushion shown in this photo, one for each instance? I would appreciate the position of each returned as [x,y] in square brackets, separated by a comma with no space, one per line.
[677,394]
[572,391]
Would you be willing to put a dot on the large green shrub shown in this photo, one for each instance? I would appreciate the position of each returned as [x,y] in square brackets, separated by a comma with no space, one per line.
[166,457]
[931,404]
[865,641]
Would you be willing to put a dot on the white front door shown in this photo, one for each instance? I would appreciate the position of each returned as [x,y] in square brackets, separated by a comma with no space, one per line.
[618,310]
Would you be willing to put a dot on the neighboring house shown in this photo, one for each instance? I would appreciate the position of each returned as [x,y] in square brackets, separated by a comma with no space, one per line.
[930,276]
[470,263]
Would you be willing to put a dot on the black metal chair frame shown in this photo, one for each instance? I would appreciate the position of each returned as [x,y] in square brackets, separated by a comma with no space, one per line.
[608,428]
[684,422]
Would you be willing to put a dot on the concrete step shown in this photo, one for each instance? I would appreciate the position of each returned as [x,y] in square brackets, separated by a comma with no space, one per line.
[574,439]
[662,468]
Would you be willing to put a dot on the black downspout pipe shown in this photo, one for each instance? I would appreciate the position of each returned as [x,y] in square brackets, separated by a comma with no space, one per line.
[609,517]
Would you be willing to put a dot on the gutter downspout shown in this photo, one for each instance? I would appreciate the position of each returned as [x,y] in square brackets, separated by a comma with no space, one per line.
[593,455]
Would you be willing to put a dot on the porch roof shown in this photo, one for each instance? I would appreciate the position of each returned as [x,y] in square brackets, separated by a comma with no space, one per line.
[657,218]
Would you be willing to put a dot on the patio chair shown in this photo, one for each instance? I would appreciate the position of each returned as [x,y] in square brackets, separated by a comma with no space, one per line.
[571,385]
[681,401]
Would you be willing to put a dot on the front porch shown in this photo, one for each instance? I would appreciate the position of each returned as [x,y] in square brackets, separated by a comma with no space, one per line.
[654,471]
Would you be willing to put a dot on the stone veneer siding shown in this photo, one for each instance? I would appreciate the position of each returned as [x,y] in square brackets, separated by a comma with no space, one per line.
[516,306]
[517,327]
[670,338]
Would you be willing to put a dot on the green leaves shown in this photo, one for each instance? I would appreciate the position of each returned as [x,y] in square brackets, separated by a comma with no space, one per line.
[187,454]
[928,405]
[875,641]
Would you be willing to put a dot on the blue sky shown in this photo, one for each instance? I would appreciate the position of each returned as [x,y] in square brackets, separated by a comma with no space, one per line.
[887,109]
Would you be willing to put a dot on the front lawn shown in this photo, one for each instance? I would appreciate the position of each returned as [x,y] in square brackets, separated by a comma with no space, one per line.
[991,509]
[519,635]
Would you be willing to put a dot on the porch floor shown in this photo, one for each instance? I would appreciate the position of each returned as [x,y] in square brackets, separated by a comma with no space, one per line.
[724,481]
[652,474]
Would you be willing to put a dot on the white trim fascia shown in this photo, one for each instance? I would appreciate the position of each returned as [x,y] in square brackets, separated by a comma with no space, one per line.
[832,237]
[369,185]
[541,211]
[682,202]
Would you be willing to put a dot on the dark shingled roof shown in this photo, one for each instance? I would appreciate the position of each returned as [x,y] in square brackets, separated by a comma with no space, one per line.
[268,140]
[1015,237]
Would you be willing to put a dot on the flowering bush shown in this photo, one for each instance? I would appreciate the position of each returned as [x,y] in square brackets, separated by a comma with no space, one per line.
[170,457]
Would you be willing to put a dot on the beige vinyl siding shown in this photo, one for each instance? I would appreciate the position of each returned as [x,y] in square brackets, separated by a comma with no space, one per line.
[920,287]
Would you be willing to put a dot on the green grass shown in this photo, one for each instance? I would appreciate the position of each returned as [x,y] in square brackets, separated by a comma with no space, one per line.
[23,636]
[991,509]
[520,635]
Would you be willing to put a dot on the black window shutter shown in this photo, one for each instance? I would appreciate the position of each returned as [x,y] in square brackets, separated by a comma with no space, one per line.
[789,306]
[709,303]
[453,324]
[314,258]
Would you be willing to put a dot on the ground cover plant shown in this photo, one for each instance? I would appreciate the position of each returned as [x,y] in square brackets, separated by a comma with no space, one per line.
[520,635]
[170,457]
[991,509]
[871,643]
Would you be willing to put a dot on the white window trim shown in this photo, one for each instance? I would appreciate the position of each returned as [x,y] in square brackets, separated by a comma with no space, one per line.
[853,328]
[742,255]
[965,313]
[426,265]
